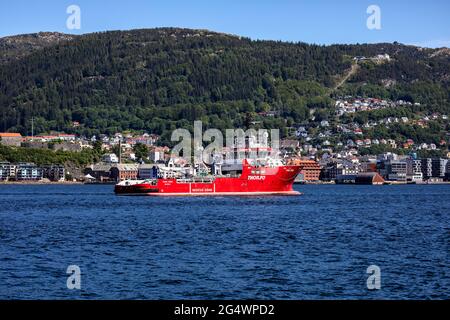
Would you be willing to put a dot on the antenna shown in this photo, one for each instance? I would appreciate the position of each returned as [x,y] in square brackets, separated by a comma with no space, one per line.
[120,151]
[32,128]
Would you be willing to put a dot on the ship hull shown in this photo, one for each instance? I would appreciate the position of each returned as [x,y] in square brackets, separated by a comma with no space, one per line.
[206,194]
[253,181]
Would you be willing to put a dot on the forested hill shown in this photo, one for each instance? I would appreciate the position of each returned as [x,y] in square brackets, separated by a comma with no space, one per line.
[159,79]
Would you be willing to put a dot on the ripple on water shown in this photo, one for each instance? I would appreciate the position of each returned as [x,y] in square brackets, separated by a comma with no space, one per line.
[315,246]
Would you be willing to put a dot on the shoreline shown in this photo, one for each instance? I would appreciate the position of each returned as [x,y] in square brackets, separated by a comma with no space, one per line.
[41,183]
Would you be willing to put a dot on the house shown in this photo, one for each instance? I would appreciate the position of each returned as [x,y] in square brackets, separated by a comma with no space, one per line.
[11,139]
[359,58]
[408,143]
[157,154]
[324,123]
[110,158]
[358,131]
[122,172]
[301,132]
[392,143]
[350,143]
[289,144]
[382,57]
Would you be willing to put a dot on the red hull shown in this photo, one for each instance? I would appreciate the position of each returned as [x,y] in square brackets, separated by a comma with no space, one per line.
[253,181]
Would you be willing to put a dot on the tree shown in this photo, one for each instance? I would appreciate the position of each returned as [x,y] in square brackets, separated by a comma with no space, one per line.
[141,151]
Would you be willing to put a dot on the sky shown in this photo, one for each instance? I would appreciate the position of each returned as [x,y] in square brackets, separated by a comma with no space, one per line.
[422,23]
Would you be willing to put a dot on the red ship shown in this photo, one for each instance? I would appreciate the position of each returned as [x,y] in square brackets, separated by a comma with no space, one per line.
[257,179]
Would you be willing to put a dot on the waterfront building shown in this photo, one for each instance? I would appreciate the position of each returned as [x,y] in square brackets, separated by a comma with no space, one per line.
[101,172]
[3,173]
[7,171]
[434,168]
[438,167]
[339,167]
[396,170]
[427,168]
[310,169]
[414,170]
[122,172]
[28,172]
[54,172]
[447,171]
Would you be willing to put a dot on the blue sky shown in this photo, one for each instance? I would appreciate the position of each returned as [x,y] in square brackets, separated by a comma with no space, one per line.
[424,23]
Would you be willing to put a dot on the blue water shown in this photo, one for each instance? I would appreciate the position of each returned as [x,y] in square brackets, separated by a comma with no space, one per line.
[315,246]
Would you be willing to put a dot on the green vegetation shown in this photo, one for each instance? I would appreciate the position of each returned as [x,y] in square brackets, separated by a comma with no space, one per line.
[141,151]
[161,79]
[47,156]
[401,132]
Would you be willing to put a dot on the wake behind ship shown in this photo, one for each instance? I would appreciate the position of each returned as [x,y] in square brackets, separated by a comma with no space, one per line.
[268,178]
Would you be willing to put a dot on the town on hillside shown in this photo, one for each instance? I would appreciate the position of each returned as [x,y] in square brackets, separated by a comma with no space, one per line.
[340,149]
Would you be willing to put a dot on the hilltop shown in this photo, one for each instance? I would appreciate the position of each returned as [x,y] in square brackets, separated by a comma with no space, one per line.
[17,47]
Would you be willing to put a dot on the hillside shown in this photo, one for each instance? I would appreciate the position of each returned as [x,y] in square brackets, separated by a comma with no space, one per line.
[159,79]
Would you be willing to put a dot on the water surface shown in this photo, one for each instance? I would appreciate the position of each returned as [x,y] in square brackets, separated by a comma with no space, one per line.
[314,246]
